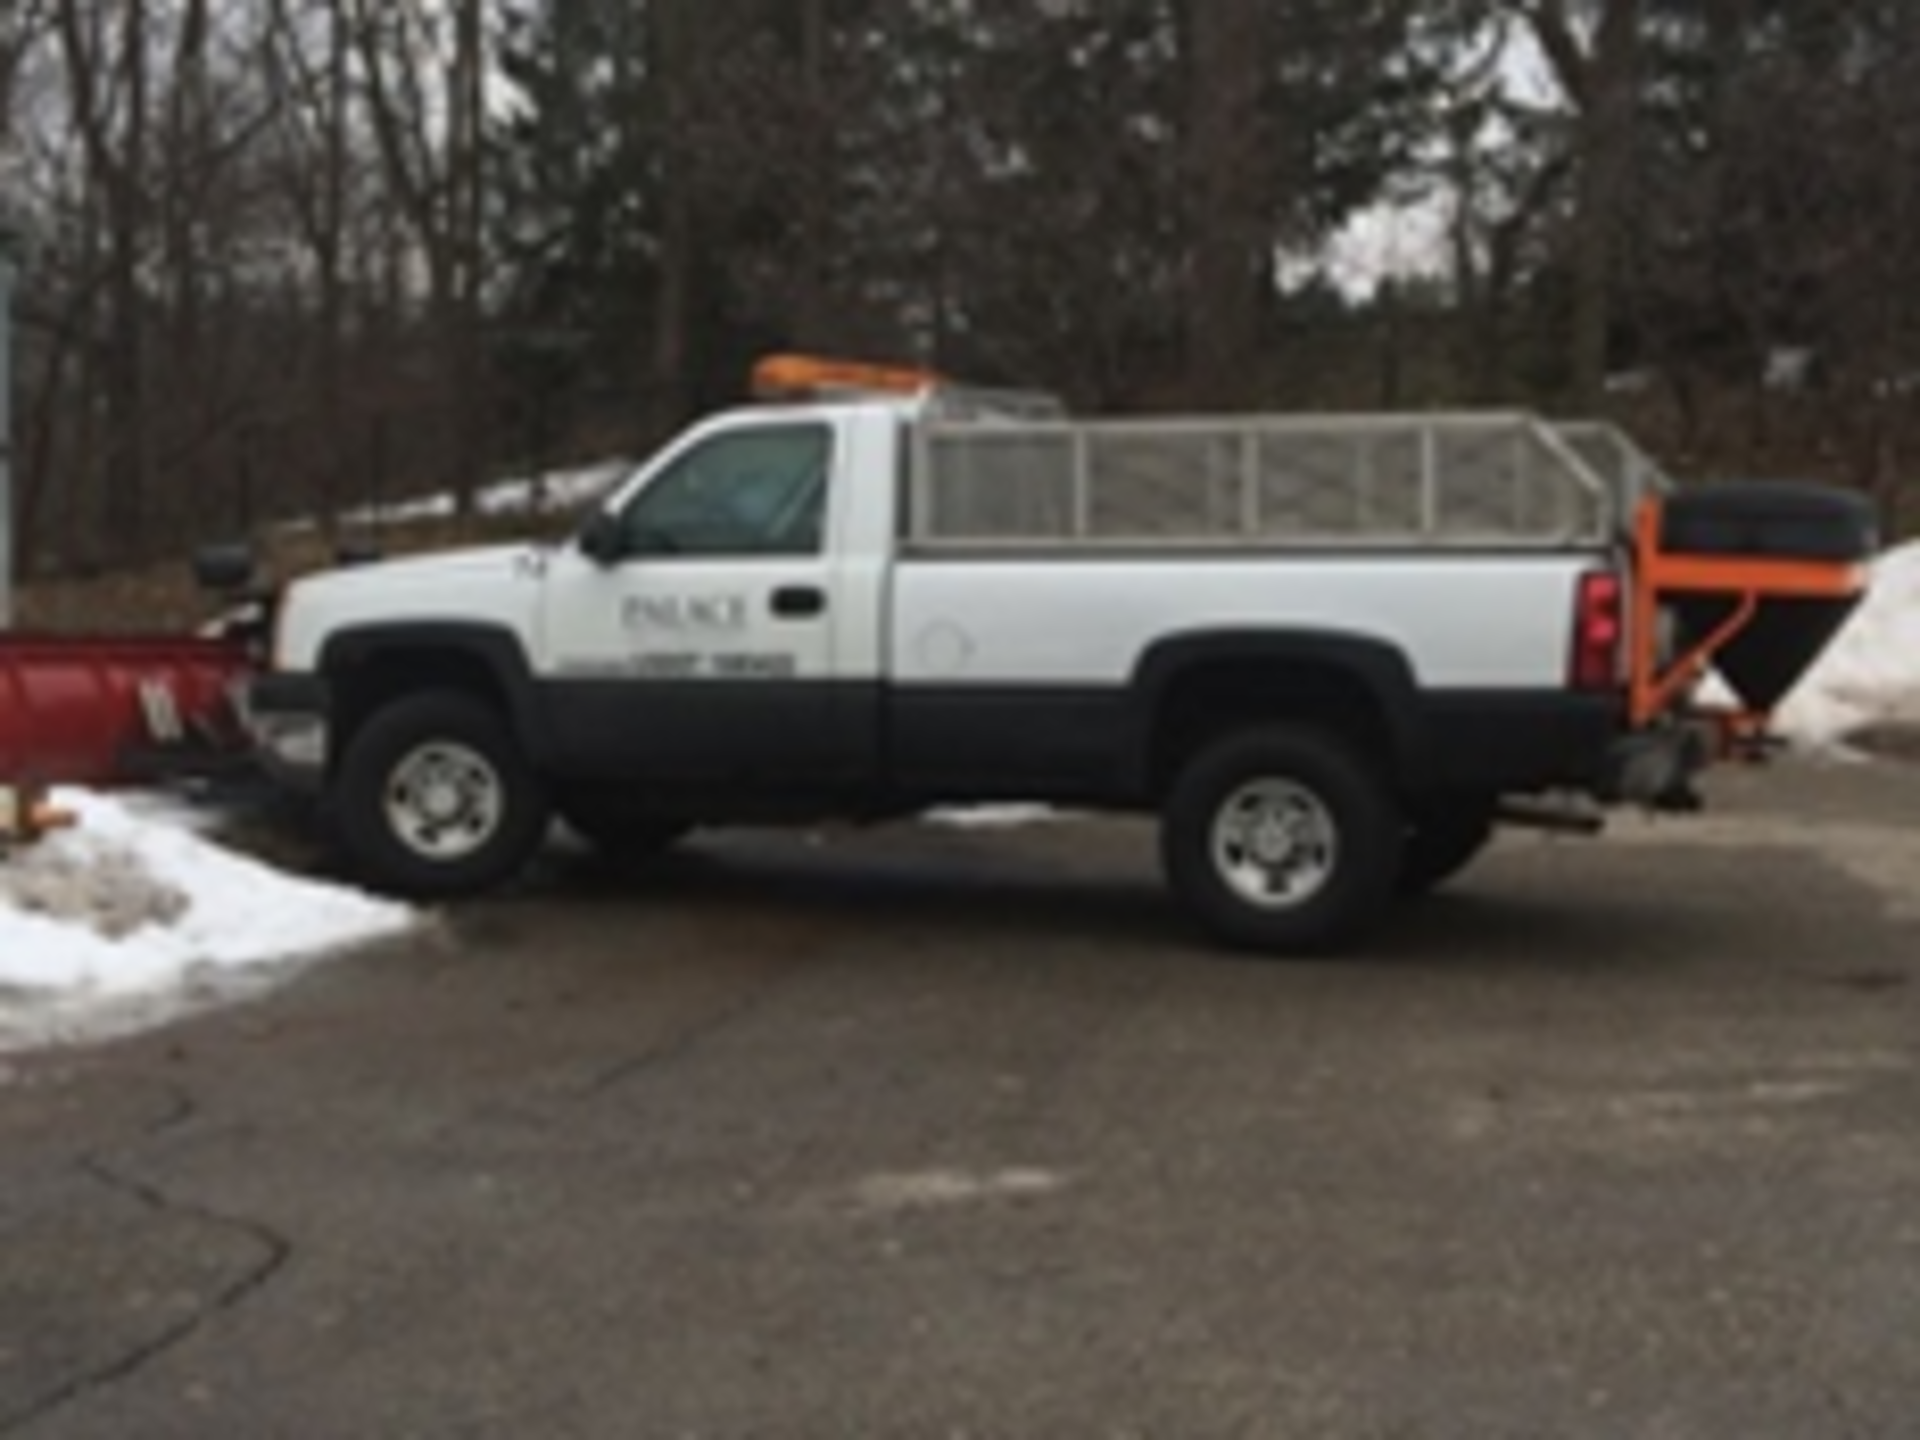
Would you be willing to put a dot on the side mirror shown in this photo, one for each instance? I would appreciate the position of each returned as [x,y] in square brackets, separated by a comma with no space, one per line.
[603,539]
[224,569]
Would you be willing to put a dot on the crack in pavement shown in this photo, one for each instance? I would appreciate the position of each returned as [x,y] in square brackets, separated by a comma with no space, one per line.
[275,1251]
[799,948]
[683,1043]
[1851,1424]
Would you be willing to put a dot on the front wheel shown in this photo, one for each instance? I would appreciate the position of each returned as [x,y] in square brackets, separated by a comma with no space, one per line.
[434,798]
[1283,840]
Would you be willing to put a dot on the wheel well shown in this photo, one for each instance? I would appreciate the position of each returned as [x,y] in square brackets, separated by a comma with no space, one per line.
[1212,700]
[364,685]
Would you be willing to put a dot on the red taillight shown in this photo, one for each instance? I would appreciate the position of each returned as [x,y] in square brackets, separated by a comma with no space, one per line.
[1599,629]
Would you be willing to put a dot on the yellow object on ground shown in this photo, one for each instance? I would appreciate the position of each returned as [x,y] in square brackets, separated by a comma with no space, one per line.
[26,815]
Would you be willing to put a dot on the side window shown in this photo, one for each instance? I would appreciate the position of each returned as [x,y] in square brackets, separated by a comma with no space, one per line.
[753,492]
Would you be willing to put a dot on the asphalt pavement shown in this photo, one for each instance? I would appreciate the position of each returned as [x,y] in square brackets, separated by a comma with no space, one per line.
[922,1132]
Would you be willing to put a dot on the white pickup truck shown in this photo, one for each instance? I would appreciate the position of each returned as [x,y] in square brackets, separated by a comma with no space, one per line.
[1329,653]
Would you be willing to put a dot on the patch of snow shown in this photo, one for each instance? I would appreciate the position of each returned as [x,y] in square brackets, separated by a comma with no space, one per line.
[1788,367]
[133,918]
[556,492]
[943,1189]
[1870,675]
[990,817]
[553,493]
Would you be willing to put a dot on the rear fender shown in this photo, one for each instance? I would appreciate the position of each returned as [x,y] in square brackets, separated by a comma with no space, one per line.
[1373,672]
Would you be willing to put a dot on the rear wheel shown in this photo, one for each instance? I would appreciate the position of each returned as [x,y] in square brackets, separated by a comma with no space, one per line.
[1442,840]
[434,799]
[1282,839]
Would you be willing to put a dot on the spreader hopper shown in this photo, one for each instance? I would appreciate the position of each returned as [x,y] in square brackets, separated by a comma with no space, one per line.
[1753,579]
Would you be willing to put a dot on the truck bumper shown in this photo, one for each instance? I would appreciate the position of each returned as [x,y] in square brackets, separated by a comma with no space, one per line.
[1517,745]
[287,717]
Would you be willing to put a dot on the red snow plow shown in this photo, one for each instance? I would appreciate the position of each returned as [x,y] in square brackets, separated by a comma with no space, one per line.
[118,710]
[105,710]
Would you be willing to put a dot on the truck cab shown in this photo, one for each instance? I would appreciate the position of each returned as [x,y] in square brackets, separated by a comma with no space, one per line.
[704,623]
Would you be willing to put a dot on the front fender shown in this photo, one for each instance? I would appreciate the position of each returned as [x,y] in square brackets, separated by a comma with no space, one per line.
[366,663]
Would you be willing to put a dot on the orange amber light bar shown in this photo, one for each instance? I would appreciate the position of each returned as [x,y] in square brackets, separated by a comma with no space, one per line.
[788,376]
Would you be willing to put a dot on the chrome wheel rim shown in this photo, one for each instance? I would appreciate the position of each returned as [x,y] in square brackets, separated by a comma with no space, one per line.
[445,801]
[1275,844]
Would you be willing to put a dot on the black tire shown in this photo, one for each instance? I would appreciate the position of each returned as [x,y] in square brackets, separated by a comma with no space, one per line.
[1340,868]
[618,826]
[386,809]
[1442,840]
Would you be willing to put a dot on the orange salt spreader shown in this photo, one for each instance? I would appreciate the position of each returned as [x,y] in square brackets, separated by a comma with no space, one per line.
[1749,579]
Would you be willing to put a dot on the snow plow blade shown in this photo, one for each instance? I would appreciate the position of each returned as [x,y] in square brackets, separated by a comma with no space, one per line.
[110,711]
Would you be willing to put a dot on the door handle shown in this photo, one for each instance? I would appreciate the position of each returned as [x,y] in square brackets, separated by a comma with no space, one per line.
[799,602]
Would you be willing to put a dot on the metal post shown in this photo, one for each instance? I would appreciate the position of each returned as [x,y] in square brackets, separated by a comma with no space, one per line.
[6,424]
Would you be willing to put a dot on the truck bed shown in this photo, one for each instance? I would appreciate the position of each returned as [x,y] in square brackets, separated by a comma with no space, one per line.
[1474,482]
[1461,624]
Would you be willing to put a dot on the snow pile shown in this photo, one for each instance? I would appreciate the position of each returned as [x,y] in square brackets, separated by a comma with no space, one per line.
[132,918]
[557,492]
[1870,676]
[990,817]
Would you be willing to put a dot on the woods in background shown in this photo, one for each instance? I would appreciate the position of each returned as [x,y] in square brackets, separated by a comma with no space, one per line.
[288,256]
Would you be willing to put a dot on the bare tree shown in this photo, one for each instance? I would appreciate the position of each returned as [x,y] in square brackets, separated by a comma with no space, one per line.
[106,74]
[309,46]
[21,22]
[673,50]
[1230,220]
[1598,68]
[424,73]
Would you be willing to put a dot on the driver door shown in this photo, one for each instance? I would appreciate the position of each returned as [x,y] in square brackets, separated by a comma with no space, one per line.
[700,649]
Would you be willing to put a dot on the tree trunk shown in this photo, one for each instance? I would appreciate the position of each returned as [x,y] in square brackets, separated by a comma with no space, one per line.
[330,246]
[467,188]
[810,300]
[673,47]
[1602,80]
[1227,217]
